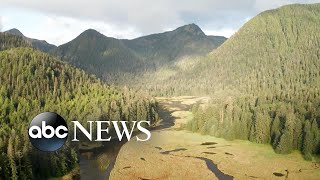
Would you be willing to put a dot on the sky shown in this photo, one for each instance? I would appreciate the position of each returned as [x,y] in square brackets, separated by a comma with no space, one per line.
[59,21]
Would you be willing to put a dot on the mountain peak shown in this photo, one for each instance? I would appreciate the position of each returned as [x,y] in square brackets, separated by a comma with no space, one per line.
[15,31]
[191,28]
[91,33]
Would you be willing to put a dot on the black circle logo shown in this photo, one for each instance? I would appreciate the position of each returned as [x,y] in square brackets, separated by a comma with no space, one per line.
[48,131]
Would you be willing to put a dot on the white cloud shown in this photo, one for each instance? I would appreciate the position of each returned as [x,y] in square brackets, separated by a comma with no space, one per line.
[59,30]
[144,15]
[221,32]
[128,18]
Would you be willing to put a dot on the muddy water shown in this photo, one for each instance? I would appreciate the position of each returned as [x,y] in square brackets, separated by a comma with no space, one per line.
[210,164]
[89,167]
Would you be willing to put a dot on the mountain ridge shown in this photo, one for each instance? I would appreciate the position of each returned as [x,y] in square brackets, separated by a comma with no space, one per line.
[38,44]
[109,58]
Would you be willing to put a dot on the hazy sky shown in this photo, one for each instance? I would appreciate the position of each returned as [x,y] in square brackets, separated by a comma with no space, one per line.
[59,21]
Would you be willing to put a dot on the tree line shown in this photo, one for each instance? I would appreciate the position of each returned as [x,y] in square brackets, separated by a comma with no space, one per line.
[264,82]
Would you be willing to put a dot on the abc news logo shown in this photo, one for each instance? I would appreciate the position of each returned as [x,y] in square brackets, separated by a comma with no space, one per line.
[48,131]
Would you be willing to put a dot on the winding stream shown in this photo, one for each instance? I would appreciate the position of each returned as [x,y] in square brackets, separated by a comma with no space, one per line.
[213,168]
[89,168]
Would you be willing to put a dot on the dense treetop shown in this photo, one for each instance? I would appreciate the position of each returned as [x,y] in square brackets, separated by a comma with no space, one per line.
[264,82]
[32,82]
[272,49]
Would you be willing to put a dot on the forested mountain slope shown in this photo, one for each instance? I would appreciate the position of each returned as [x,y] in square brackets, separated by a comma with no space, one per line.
[100,55]
[32,82]
[8,41]
[38,44]
[272,46]
[264,81]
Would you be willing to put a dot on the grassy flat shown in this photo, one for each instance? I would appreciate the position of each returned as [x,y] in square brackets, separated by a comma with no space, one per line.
[176,154]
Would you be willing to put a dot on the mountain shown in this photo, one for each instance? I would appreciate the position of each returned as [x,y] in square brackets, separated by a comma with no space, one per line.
[264,82]
[32,82]
[169,46]
[98,54]
[15,31]
[275,47]
[115,60]
[38,44]
[8,41]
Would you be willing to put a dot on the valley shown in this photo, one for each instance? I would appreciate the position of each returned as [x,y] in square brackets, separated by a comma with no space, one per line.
[173,153]
[246,107]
